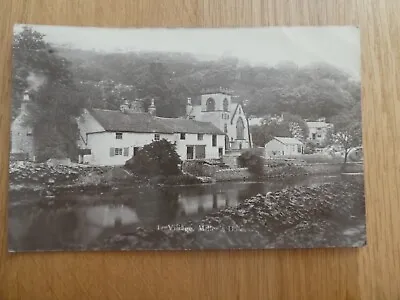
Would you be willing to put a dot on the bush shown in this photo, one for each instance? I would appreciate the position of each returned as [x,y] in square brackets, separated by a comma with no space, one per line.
[196,168]
[156,158]
[309,148]
[253,162]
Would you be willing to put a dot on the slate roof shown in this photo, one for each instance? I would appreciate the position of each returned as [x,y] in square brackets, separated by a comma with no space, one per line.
[114,120]
[288,141]
[318,124]
[189,126]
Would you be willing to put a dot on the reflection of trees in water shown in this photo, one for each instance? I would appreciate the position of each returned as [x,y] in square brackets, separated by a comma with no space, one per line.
[169,206]
[50,230]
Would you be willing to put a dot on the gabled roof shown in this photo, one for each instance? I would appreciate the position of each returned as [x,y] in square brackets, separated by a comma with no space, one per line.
[114,120]
[318,124]
[189,126]
[233,109]
[288,141]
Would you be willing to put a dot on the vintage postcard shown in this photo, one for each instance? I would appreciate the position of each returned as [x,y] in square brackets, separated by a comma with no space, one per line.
[180,139]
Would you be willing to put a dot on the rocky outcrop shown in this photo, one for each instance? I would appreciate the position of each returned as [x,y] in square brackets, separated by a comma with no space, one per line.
[48,179]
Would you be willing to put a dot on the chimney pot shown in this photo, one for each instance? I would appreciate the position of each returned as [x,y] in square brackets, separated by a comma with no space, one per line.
[26,96]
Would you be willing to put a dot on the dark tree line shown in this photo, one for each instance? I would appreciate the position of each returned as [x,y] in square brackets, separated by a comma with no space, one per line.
[55,97]
[74,79]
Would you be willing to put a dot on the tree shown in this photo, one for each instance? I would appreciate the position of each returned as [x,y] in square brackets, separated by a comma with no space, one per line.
[348,138]
[56,100]
[317,90]
[156,158]
[265,133]
[297,126]
[287,125]
[253,162]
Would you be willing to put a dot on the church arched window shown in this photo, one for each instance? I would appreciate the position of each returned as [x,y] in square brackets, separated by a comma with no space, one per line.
[240,129]
[210,104]
[226,105]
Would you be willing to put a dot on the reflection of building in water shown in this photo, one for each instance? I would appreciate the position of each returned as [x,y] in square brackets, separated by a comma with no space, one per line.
[93,221]
[191,205]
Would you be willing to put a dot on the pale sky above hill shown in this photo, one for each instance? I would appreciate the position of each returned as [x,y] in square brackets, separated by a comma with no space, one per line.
[339,46]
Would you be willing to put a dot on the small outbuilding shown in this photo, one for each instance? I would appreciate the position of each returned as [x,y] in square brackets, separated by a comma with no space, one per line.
[284,146]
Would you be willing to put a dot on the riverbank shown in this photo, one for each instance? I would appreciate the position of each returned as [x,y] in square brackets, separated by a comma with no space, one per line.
[28,179]
[287,170]
[331,215]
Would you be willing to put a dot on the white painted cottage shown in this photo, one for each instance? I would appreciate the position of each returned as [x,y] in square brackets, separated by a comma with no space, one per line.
[111,137]
[284,146]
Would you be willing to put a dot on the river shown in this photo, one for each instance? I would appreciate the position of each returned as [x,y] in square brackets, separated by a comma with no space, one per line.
[79,220]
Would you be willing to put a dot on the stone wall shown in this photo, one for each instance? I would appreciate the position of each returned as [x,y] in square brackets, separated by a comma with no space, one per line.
[232,174]
[230,160]
[329,168]
[199,168]
[290,170]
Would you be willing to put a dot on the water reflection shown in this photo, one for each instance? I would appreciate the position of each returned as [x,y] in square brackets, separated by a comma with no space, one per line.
[75,226]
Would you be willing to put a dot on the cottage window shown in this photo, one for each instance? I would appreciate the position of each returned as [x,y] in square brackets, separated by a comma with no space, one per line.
[299,149]
[126,151]
[319,128]
[117,151]
[319,135]
[225,128]
[183,136]
[189,152]
[157,137]
[118,135]
[200,137]
[214,140]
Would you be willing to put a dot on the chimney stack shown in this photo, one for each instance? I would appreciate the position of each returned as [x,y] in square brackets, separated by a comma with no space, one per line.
[189,106]
[26,96]
[152,108]
[124,107]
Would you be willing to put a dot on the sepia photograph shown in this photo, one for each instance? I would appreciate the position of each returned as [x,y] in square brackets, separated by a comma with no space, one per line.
[126,139]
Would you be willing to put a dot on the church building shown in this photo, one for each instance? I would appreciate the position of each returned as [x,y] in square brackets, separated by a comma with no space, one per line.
[216,107]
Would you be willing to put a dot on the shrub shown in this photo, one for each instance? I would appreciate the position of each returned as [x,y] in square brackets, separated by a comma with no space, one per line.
[196,168]
[309,148]
[253,162]
[156,158]
[200,168]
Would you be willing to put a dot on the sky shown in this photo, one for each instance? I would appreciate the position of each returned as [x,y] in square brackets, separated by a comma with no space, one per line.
[336,45]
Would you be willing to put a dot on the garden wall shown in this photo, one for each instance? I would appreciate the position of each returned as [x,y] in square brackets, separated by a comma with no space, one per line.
[330,168]
[290,170]
[232,174]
